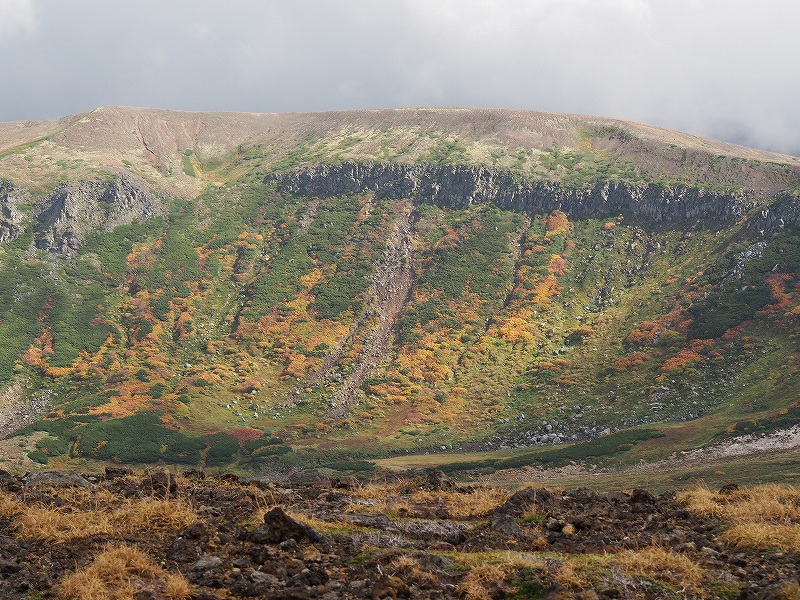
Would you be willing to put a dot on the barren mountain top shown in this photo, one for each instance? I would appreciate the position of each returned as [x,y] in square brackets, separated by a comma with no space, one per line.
[142,139]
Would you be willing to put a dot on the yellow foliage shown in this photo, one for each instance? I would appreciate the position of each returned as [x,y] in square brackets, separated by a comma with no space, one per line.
[311,279]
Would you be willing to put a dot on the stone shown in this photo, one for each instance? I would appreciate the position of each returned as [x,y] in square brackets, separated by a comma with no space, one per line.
[348,482]
[642,496]
[504,524]
[279,527]
[207,563]
[389,586]
[56,479]
[112,473]
[161,483]
[182,550]
[8,567]
[437,480]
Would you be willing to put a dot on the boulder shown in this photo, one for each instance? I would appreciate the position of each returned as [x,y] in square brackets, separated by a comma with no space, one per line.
[279,527]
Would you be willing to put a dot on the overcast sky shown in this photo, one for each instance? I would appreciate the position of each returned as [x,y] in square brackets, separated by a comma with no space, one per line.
[729,69]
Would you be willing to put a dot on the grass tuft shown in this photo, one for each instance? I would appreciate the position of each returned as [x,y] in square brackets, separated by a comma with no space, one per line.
[662,565]
[60,526]
[123,573]
[762,517]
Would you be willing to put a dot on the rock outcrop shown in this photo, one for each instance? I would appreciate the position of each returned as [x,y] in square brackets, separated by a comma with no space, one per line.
[10,216]
[67,215]
[784,212]
[456,186]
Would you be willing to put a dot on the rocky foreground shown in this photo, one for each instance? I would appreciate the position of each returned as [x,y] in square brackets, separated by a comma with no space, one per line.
[154,535]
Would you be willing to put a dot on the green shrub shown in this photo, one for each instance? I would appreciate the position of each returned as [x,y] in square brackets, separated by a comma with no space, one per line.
[223,448]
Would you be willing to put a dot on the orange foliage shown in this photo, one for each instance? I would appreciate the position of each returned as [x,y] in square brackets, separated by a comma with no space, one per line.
[142,256]
[777,283]
[451,239]
[556,222]
[681,360]
[555,365]
[36,355]
[643,333]
[517,328]
[248,386]
[677,320]
[632,360]
[545,289]
[687,356]
[311,278]
[422,365]
[557,265]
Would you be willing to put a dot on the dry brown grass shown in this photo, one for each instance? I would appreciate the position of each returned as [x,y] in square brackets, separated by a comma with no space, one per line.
[790,591]
[334,526]
[397,500]
[409,567]
[488,572]
[120,573]
[62,525]
[766,503]
[476,503]
[9,505]
[764,516]
[154,514]
[379,491]
[483,582]
[764,536]
[577,571]
[662,565]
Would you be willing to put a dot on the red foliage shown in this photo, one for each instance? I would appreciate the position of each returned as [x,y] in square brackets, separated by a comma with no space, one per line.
[630,361]
[777,283]
[245,434]
[557,265]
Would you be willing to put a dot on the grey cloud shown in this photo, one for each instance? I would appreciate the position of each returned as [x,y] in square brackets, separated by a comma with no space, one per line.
[723,68]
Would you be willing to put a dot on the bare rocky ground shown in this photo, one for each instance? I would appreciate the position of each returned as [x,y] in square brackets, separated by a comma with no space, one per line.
[418,538]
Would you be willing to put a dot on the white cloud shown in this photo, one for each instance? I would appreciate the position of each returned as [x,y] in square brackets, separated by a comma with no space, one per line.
[17,18]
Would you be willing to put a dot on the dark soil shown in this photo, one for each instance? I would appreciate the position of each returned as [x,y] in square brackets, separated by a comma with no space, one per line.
[224,554]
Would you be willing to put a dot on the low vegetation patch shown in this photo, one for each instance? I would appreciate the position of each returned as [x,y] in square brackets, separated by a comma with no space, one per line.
[157,535]
[762,517]
[124,572]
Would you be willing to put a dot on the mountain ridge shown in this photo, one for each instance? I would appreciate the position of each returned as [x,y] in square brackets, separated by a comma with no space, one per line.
[157,138]
[274,290]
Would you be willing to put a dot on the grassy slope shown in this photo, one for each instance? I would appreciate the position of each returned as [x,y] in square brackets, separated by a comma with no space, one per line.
[212,316]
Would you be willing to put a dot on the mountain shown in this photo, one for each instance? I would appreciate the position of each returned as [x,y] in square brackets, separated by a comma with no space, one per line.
[280,290]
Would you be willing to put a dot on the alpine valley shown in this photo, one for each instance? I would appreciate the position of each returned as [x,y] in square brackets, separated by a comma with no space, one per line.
[266,293]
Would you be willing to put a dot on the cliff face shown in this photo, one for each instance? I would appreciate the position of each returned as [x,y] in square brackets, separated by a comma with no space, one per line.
[460,186]
[10,216]
[784,212]
[71,211]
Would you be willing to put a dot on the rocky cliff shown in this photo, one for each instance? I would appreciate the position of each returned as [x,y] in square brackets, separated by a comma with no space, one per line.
[460,186]
[10,215]
[71,211]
